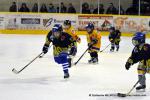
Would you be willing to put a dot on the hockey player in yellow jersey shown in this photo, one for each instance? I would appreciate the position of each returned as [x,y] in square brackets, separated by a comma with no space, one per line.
[68,28]
[94,42]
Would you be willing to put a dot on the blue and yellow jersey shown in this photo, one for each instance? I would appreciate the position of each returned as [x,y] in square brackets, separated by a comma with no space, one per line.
[140,53]
[72,32]
[94,36]
[114,36]
[61,44]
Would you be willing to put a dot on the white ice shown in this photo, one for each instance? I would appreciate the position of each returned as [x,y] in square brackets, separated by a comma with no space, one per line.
[43,79]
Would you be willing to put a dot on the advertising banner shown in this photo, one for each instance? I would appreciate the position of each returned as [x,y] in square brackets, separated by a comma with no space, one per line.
[102,23]
[49,20]
[44,21]
[2,21]
[131,24]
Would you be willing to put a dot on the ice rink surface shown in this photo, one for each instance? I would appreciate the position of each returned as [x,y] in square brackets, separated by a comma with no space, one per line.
[43,79]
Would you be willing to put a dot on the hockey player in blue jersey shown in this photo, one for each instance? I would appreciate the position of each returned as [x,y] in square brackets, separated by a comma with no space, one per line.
[114,38]
[141,54]
[61,43]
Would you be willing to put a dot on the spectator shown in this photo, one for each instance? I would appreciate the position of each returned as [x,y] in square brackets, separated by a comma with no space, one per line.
[13,7]
[111,9]
[51,8]
[35,8]
[101,9]
[132,10]
[147,11]
[122,12]
[91,7]
[43,8]
[63,8]
[24,8]
[57,9]
[71,8]
[85,8]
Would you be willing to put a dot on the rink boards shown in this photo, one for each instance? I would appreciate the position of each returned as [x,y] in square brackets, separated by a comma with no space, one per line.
[41,23]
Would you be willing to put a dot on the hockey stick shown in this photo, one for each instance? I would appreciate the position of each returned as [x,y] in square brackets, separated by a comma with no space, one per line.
[17,72]
[41,56]
[106,47]
[81,56]
[127,94]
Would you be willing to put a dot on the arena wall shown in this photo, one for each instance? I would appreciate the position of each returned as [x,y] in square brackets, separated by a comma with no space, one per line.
[41,23]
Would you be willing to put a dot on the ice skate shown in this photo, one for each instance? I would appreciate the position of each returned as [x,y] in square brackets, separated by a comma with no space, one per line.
[141,88]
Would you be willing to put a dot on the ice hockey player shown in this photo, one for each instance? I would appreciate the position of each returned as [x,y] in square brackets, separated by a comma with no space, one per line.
[68,28]
[141,54]
[94,43]
[114,38]
[61,43]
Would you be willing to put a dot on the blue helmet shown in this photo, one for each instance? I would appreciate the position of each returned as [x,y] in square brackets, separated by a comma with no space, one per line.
[90,25]
[138,38]
[57,28]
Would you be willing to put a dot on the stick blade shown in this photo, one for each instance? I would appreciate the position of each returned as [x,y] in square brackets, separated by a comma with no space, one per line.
[121,95]
[15,71]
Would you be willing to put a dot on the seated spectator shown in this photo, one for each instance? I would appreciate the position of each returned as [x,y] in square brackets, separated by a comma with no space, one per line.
[85,8]
[35,8]
[91,7]
[101,9]
[24,8]
[51,8]
[63,9]
[43,8]
[57,9]
[147,11]
[122,12]
[111,9]
[132,10]
[13,7]
[71,8]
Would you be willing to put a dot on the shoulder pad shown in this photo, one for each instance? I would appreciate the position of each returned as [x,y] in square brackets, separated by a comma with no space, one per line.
[146,47]
[136,49]
[66,34]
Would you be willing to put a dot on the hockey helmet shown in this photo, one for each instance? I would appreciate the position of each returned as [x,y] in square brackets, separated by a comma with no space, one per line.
[138,38]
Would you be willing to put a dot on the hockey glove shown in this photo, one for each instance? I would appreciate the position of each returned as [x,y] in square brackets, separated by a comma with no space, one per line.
[45,48]
[90,45]
[94,41]
[112,40]
[127,65]
[73,51]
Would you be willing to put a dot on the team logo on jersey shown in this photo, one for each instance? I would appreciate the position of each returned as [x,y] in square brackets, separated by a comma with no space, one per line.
[63,38]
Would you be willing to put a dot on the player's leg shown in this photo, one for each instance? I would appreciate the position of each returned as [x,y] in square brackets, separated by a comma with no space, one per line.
[112,46]
[94,57]
[117,45]
[141,76]
[62,59]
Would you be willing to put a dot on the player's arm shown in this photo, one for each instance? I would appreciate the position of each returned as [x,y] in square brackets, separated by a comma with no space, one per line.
[94,41]
[71,42]
[110,38]
[47,42]
[137,55]
[76,37]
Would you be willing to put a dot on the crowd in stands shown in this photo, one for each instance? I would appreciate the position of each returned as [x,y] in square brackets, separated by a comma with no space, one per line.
[86,9]
[43,8]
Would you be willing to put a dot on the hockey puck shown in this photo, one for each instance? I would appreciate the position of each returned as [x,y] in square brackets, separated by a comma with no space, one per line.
[121,95]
